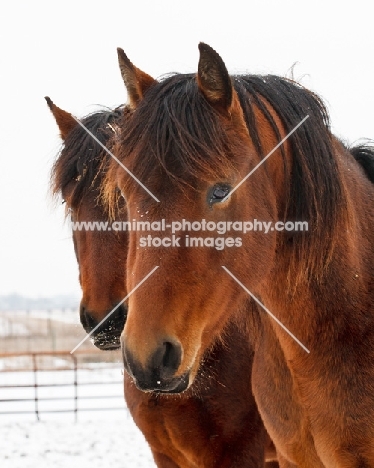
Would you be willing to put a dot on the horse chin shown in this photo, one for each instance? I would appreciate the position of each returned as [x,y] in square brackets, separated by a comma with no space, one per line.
[172,386]
[106,342]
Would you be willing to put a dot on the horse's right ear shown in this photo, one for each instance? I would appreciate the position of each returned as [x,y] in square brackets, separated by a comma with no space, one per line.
[64,120]
[136,81]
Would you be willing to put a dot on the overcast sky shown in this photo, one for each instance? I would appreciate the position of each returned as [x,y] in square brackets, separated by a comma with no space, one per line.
[67,50]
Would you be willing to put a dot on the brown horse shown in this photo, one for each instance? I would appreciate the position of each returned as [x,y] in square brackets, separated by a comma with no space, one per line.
[76,176]
[215,423]
[192,140]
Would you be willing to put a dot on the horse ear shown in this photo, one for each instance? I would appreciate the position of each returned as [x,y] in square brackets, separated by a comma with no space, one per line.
[213,78]
[64,120]
[136,81]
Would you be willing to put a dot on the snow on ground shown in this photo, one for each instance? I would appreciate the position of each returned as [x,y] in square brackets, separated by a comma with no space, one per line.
[96,442]
[104,434]
[101,438]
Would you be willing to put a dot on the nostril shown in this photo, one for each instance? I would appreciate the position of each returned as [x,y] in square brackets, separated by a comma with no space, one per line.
[166,360]
[172,357]
[160,371]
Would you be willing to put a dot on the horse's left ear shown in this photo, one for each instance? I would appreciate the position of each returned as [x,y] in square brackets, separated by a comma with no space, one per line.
[64,120]
[213,78]
[136,81]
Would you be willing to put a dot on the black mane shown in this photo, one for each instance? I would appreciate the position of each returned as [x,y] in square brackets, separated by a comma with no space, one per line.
[174,127]
[364,155]
[179,123]
[81,158]
[316,193]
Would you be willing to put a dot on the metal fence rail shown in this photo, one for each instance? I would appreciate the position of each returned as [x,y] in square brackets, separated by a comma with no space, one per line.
[66,374]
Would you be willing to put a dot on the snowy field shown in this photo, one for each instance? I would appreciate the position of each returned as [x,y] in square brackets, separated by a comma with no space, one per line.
[95,441]
[98,438]
[104,434]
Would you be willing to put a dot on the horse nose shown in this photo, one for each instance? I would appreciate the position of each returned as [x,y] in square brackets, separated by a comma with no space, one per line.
[106,331]
[159,374]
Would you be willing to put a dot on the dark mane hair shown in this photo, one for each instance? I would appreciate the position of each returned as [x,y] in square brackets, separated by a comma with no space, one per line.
[174,127]
[181,123]
[364,155]
[81,158]
[316,194]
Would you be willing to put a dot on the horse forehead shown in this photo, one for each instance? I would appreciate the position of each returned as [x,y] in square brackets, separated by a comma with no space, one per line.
[169,205]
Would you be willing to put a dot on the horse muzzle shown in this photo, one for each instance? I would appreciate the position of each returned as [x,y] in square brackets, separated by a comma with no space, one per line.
[159,374]
[105,335]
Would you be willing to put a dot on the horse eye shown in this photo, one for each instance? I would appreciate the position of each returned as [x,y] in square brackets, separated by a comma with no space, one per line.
[218,193]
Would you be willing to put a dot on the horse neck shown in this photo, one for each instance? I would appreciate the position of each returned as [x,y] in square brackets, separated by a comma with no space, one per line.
[345,289]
